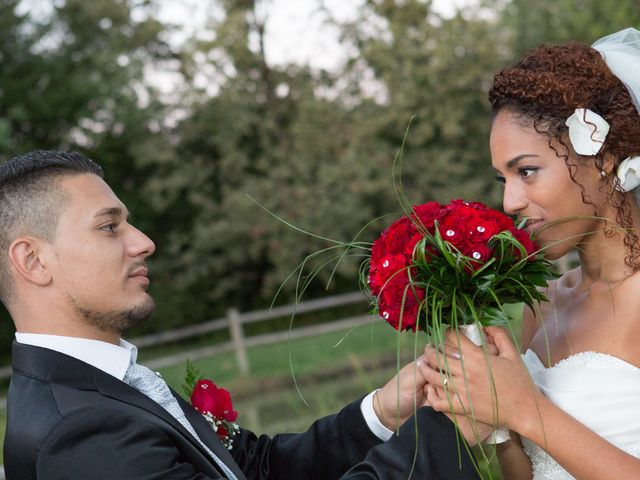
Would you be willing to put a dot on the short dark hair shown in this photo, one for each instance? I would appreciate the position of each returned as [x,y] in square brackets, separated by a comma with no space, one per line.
[31,199]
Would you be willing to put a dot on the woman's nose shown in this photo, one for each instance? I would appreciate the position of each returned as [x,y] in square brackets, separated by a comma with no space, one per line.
[513,199]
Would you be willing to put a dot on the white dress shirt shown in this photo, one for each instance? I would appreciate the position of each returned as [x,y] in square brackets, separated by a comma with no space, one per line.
[115,359]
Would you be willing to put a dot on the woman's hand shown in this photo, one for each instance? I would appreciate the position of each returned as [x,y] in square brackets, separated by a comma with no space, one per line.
[493,389]
[473,431]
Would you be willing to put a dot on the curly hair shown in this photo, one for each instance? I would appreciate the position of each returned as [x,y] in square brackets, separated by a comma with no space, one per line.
[547,85]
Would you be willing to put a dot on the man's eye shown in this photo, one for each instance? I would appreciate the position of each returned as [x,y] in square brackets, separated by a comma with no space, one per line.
[111,227]
[499,179]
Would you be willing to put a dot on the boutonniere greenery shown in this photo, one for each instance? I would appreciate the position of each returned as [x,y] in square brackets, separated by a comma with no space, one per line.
[213,402]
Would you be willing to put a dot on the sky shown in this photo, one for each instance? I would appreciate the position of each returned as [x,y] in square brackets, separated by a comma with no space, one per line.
[296,30]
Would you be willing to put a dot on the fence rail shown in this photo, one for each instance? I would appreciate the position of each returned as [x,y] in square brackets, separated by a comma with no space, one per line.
[239,343]
[234,321]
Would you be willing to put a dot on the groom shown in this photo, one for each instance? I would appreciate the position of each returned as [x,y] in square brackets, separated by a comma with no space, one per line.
[73,277]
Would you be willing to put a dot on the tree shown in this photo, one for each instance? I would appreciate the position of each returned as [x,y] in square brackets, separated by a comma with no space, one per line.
[73,78]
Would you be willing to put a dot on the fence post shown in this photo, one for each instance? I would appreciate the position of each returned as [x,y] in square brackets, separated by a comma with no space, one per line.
[237,338]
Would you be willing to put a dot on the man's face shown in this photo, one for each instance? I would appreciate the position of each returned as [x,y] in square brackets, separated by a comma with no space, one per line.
[99,257]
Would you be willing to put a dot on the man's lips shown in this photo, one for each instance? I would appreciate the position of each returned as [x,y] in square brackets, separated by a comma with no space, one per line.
[140,273]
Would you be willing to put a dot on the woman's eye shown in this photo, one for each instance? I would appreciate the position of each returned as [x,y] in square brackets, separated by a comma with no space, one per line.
[527,171]
[499,179]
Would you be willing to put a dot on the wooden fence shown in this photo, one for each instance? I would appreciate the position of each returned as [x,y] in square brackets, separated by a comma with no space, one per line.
[234,321]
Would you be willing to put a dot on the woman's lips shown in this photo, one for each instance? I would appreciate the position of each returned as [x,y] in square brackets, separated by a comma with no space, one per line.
[533,224]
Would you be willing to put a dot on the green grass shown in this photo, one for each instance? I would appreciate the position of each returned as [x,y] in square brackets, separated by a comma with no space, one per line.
[299,357]
[267,399]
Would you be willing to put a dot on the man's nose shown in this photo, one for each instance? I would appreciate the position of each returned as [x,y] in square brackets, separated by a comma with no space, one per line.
[141,244]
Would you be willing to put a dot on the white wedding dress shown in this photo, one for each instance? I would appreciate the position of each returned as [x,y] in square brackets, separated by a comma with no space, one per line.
[599,390]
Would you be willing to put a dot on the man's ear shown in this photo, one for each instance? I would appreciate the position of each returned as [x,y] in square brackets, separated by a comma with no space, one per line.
[26,257]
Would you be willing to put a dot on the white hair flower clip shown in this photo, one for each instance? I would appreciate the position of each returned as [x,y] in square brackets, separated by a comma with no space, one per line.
[628,174]
[587,131]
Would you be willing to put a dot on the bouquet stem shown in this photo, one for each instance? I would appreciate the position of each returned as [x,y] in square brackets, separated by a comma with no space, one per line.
[474,333]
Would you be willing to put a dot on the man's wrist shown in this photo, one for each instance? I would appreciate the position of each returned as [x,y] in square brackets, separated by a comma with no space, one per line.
[373,419]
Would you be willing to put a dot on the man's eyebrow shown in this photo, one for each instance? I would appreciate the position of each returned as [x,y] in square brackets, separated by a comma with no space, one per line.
[112,211]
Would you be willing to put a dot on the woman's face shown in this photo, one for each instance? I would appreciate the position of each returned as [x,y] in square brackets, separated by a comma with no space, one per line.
[538,185]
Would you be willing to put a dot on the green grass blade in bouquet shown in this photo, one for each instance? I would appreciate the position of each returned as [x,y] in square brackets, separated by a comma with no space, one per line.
[454,266]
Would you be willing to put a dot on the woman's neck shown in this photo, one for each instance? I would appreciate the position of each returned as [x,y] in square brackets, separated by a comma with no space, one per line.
[603,256]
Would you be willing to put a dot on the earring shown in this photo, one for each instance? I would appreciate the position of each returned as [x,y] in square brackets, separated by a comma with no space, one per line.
[603,173]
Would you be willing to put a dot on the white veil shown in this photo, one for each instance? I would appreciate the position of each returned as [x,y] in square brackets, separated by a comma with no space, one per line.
[621,52]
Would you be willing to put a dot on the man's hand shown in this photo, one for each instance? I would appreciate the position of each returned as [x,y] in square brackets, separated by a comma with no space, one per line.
[401,396]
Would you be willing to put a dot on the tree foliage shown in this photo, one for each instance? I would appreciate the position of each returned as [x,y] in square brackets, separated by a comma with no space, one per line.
[314,147]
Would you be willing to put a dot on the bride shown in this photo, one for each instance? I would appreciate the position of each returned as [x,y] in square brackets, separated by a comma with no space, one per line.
[565,142]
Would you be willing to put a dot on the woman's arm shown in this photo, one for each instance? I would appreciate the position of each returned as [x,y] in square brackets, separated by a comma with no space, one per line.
[514,463]
[523,409]
[572,444]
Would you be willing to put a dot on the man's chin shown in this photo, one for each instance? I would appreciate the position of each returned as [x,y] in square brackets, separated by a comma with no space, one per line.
[119,320]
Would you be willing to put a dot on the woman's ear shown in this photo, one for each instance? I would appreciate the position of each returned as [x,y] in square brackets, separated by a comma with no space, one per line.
[26,258]
[609,164]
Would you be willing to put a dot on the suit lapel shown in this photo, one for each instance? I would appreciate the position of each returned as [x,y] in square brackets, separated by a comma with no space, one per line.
[55,367]
[113,388]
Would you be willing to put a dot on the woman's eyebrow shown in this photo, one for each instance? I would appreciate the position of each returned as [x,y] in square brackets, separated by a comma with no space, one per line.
[514,161]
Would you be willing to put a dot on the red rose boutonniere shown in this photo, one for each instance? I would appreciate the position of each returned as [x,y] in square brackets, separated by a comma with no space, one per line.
[214,403]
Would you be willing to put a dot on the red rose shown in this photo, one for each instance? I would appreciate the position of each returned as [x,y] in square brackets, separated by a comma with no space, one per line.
[523,237]
[481,229]
[479,254]
[222,432]
[393,239]
[411,245]
[389,265]
[208,398]
[504,222]
[453,229]
[425,214]
[390,303]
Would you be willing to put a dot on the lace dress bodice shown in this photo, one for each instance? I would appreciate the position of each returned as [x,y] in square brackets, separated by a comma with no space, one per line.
[599,390]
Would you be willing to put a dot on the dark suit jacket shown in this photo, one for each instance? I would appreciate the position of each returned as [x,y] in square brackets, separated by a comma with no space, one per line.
[69,420]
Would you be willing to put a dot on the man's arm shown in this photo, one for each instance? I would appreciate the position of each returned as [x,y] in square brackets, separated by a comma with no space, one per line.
[338,443]
[426,447]
[325,451]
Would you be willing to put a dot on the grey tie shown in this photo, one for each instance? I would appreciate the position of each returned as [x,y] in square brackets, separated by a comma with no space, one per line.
[153,386]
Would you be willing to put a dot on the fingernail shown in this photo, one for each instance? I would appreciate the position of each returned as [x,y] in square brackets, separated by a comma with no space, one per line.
[455,355]
[419,362]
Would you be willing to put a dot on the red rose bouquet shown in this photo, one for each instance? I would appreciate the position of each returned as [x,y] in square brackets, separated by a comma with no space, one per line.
[454,264]
[214,403]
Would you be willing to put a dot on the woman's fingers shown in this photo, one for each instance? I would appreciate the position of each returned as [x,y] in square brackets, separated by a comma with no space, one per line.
[434,375]
[444,359]
[444,401]
[455,339]
[503,342]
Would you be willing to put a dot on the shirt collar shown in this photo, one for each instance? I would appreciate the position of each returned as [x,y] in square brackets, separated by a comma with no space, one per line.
[110,358]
